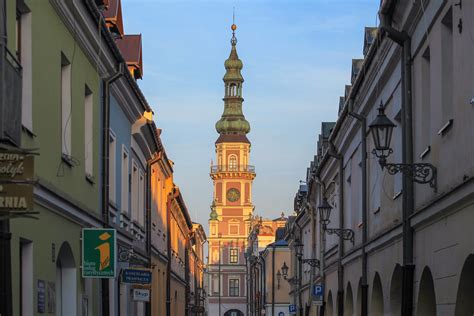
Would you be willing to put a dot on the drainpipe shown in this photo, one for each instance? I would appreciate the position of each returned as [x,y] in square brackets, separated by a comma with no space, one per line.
[403,39]
[150,163]
[322,248]
[340,269]
[263,285]
[105,169]
[363,129]
[168,247]
[299,272]
[273,281]
[311,210]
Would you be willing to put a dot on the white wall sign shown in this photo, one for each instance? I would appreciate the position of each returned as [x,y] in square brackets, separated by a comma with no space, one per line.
[141,295]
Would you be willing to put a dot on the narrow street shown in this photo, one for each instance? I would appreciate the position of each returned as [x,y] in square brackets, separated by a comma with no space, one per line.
[342,186]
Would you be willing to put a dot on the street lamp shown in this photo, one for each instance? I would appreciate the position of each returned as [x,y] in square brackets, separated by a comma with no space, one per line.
[284,270]
[381,129]
[324,215]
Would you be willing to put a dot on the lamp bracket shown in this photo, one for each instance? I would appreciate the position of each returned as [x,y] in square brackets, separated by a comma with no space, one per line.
[344,233]
[312,262]
[422,173]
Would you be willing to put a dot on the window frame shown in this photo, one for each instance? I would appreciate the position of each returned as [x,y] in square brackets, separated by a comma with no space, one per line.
[234,287]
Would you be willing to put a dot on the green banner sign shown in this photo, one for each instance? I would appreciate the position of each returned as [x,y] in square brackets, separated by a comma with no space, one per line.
[99,252]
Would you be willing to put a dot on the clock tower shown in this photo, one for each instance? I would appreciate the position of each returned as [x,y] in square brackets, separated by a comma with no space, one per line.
[232,206]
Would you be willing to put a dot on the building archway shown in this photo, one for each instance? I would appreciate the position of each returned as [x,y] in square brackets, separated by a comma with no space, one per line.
[426,295]
[66,286]
[358,311]
[349,302]
[376,305]
[464,299]
[396,291]
[233,312]
[329,307]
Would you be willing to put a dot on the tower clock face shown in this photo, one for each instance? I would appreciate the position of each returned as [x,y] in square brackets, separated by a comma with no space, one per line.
[233,195]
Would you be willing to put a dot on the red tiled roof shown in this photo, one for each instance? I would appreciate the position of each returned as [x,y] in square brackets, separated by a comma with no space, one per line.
[131,48]
[232,138]
[113,16]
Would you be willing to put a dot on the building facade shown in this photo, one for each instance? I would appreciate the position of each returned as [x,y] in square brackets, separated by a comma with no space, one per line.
[232,204]
[98,162]
[407,248]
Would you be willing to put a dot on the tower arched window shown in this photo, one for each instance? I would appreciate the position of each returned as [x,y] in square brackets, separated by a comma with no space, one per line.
[232,162]
[233,90]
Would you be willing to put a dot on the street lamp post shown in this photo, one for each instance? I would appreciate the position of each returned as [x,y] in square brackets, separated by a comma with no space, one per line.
[324,213]
[381,129]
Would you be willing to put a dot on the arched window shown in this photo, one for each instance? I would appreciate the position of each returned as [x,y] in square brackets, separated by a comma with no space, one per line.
[232,162]
[233,90]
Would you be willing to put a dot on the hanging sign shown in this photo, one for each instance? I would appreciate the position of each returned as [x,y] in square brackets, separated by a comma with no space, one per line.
[136,276]
[16,166]
[141,295]
[99,252]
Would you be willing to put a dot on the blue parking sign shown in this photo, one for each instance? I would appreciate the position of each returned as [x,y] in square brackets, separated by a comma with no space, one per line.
[318,290]
[292,309]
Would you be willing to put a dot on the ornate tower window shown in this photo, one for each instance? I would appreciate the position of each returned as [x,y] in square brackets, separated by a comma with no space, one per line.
[233,163]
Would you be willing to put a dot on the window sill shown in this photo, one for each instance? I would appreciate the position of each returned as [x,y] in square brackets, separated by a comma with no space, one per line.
[446,127]
[68,160]
[90,178]
[397,195]
[28,131]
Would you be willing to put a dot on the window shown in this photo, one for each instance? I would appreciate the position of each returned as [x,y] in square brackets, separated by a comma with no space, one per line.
[232,162]
[233,229]
[65,106]
[124,181]
[24,57]
[425,97]
[26,277]
[18,35]
[112,153]
[88,134]
[141,198]
[134,191]
[234,287]
[447,66]
[234,255]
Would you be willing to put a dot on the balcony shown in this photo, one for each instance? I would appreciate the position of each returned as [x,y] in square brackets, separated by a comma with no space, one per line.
[10,97]
[241,168]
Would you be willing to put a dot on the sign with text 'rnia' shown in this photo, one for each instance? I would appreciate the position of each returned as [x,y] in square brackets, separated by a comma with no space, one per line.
[98,252]
[136,276]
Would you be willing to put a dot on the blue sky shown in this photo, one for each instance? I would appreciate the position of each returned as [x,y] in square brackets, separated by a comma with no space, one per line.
[297,58]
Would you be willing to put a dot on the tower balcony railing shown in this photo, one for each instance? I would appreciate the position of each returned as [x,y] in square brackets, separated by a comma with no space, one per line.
[239,168]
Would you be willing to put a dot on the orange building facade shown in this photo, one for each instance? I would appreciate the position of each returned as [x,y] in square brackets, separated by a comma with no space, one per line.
[232,207]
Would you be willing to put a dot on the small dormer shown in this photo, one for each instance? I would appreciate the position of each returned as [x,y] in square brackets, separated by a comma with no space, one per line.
[356,67]
[131,48]
[342,100]
[370,34]
[102,4]
[347,90]
[113,16]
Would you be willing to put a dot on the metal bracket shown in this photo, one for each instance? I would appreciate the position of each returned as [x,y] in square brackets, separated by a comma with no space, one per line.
[419,172]
[344,233]
[312,262]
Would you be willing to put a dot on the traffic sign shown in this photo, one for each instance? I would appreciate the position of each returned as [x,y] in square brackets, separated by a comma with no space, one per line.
[136,276]
[318,290]
[98,252]
[292,308]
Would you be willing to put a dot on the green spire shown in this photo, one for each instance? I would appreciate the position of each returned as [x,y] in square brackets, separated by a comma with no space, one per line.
[233,120]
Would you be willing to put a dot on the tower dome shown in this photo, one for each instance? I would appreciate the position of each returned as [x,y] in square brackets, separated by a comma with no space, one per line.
[233,120]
